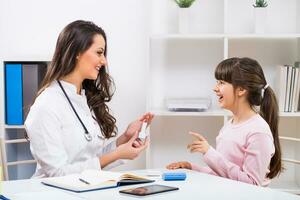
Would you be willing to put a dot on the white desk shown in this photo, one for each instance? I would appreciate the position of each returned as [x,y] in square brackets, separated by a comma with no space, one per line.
[197,186]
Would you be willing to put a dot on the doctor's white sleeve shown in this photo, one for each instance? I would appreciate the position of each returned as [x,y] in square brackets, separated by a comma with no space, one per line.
[111,147]
[47,146]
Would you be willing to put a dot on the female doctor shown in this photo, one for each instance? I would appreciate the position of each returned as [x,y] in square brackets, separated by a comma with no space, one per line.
[69,125]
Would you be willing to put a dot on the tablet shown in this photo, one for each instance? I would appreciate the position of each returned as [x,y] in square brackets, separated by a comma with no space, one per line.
[148,190]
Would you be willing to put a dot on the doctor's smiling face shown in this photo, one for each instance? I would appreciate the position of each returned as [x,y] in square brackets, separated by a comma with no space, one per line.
[90,62]
[80,58]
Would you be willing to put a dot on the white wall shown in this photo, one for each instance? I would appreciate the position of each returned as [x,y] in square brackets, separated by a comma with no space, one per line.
[29,29]
[206,16]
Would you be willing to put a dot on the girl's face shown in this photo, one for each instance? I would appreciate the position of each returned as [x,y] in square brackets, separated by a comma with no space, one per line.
[226,94]
[90,61]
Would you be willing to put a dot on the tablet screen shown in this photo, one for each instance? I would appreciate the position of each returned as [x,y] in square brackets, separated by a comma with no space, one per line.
[149,189]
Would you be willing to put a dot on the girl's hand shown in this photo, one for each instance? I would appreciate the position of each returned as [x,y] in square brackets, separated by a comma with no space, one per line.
[177,165]
[200,144]
[128,151]
[137,124]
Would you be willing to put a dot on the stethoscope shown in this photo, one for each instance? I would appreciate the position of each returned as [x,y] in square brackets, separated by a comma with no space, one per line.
[87,134]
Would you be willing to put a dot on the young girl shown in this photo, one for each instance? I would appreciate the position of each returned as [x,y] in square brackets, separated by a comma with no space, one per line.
[247,147]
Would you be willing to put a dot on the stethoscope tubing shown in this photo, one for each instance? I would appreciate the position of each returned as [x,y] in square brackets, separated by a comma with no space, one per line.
[87,135]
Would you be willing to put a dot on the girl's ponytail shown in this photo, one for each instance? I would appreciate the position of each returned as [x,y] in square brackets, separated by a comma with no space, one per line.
[269,111]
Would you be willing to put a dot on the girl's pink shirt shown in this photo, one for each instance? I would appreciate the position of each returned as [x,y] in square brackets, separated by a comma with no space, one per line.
[243,152]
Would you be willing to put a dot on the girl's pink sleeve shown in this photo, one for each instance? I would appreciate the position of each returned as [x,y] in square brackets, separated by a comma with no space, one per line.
[258,153]
[206,170]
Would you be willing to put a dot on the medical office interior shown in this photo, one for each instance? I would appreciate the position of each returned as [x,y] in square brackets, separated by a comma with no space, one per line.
[156,54]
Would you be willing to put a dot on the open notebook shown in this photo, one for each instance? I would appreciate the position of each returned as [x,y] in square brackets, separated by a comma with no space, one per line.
[94,180]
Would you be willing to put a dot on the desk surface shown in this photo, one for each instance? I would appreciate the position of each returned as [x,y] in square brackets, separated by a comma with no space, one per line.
[196,186]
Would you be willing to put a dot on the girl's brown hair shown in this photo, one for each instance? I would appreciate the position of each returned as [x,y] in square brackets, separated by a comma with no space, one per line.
[248,74]
[75,39]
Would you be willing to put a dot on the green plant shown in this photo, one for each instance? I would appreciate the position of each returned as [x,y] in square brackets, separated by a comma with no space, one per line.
[184,3]
[260,4]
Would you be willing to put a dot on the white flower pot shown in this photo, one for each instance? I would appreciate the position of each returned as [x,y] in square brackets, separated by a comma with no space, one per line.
[260,15]
[183,20]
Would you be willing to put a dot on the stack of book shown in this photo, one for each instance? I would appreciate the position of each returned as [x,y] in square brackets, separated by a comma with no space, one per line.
[288,89]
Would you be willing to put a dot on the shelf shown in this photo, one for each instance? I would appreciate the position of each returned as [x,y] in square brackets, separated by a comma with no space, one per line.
[263,36]
[163,112]
[289,138]
[230,36]
[220,113]
[14,126]
[20,162]
[15,141]
[291,160]
[289,114]
[188,36]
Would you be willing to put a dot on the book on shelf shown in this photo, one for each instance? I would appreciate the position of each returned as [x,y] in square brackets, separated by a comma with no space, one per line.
[90,180]
[296,90]
[281,87]
[32,78]
[288,88]
[13,94]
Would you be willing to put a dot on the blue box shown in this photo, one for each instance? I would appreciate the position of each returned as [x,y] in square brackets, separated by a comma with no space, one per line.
[174,176]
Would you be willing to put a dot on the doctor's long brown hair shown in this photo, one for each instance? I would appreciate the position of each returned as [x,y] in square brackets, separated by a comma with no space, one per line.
[75,39]
[248,74]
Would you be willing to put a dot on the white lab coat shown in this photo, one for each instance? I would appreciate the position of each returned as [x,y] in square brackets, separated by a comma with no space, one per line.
[56,136]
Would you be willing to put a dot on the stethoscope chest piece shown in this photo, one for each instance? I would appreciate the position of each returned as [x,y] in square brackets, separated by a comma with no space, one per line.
[88,137]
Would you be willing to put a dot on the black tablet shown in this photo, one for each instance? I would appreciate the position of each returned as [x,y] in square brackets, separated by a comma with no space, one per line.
[149,189]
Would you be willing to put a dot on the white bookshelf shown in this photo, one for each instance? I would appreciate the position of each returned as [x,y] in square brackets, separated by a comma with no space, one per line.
[17,161]
[182,66]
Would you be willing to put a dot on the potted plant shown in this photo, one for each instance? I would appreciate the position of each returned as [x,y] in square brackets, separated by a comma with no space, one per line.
[260,4]
[260,13]
[184,3]
[183,14]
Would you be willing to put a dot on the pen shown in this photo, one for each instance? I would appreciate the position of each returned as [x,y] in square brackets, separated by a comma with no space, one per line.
[84,181]
[153,175]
